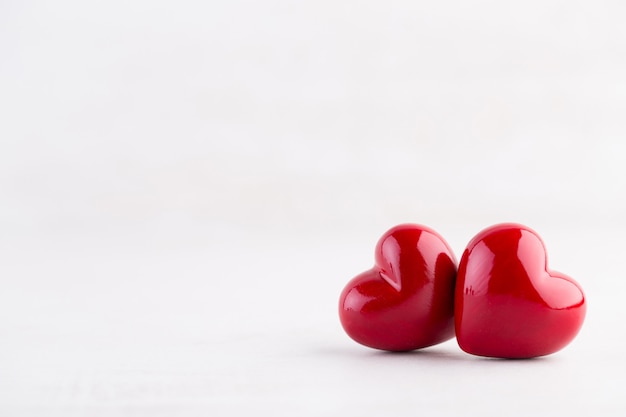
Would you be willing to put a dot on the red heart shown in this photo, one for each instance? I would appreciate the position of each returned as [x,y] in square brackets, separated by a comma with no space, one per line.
[406,301]
[507,303]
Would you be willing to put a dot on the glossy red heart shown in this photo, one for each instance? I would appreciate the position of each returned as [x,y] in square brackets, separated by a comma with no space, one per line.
[406,301]
[508,304]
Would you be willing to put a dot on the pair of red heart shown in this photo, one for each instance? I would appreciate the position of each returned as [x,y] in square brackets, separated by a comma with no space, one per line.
[502,302]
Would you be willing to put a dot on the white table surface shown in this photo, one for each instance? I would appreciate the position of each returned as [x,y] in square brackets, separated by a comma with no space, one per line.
[250,327]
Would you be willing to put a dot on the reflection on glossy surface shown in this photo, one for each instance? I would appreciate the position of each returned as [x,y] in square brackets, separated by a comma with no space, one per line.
[508,304]
[406,301]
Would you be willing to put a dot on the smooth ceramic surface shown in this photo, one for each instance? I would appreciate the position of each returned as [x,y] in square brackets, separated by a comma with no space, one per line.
[508,304]
[405,301]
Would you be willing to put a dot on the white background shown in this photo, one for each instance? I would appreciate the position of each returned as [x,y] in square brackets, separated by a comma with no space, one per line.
[185,188]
